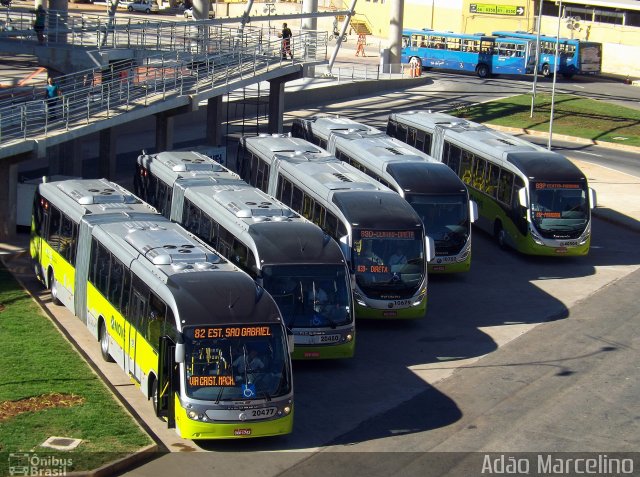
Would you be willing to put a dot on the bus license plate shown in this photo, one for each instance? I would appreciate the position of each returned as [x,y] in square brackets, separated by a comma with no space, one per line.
[317,339]
[261,413]
[329,338]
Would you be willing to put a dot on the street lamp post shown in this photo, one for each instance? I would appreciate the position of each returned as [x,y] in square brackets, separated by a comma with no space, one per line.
[555,75]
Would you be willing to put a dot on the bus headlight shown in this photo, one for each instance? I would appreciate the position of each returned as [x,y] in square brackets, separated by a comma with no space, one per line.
[194,415]
[420,298]
[359,299]
[536,238]
[286,410]
[465,252]
[348,338]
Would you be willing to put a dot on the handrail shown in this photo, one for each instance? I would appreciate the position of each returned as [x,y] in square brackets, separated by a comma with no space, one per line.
[94,95]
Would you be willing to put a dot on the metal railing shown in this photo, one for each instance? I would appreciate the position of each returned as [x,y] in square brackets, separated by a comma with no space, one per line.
[94,95]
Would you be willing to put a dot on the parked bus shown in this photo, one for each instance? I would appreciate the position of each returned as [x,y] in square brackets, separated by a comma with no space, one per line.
[380,235]
[434,191]
[483,54]
[529,198]
[576,56]
[174,315]
[293,259]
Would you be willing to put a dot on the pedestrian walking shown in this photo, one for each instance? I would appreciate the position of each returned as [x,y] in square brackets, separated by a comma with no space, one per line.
[286,41]
[362,41]
[52,96]
[39,23]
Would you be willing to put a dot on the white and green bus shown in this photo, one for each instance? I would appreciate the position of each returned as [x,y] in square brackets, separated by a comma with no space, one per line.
[379,233]
[434,191]
[529,198]
[181,321]
[293,259]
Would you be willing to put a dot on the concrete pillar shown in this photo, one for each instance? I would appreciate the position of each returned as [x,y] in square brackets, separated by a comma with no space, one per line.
[309,6]
[8,198]
[164,132]
[58,20]
[107,154]
[201,9]
[276,106]
[214,121]
[70,158]
[396,17]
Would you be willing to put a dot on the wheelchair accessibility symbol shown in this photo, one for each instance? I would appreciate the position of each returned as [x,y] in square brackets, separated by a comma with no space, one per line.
[248,390]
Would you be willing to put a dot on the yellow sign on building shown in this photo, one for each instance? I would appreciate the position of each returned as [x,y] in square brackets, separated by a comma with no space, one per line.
[492,9]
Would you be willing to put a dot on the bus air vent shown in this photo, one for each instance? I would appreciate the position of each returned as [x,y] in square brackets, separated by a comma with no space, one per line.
[394,151]
[342,177]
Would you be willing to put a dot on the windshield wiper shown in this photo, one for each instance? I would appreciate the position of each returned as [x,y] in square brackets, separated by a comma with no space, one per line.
[220,394]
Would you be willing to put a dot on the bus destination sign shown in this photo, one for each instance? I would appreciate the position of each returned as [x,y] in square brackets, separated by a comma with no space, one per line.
[388,234]
[493,9]
[230,332]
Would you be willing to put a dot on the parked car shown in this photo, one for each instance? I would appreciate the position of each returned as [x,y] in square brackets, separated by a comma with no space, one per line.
[146,6]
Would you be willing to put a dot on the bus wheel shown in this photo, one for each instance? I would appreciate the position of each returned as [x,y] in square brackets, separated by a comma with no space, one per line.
[500,235]
[103,336]
[546,70]
[53,287]
[482,71]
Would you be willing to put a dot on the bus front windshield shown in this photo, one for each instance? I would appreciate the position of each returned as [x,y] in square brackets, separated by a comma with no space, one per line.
[446,219]
[243,362]
[559,210]
[310,296]
[388,261]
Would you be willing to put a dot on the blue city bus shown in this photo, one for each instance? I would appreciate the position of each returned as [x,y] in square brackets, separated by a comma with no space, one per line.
[576,56]
[483,54]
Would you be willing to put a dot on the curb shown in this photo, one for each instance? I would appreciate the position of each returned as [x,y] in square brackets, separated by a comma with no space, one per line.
[126,463]
[562,137]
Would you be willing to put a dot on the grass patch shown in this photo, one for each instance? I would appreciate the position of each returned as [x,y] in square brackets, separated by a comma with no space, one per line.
[573,116]
[38,362]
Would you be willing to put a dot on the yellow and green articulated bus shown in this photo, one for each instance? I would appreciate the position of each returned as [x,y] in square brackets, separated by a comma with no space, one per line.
[531,199]
[199,338]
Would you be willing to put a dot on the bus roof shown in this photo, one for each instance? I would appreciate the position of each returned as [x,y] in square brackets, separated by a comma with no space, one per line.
[546,166]
[532,36]
[426,177]
[80,197]
[325,125]
[384,210]
[170,166]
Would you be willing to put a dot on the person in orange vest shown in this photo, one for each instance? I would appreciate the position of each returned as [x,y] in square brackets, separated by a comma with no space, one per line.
[362,40]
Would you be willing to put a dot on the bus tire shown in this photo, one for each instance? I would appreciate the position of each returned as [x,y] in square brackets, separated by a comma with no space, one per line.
[482,71]
[546,70]
[103,337]
[500,235]
[154,393]
[53,288]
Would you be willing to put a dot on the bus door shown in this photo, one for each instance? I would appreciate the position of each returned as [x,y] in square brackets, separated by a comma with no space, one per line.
[138,307]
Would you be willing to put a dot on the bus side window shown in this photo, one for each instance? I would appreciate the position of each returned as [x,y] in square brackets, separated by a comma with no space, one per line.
[126,293]
[331,224]
[479,167]
[307,207]
[204,231]
[296,199]
[465,167]
[318,214]
[392,126]
[154,321]
[493,173]
[191,217]
[115,283]
[66,239]
[53,233]
[225,242]
[252,265]
[505,187]
[402,132]
[419,140]
[262,179]
[164,199]
[38,213]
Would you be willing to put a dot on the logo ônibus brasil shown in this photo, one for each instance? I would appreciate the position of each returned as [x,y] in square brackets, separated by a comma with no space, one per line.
[34,464]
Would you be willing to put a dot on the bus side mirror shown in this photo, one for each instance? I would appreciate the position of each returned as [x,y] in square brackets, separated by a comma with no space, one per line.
[180,353]
[522,197]
[429,248]
[473,211]
[593,198]
[291,343]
